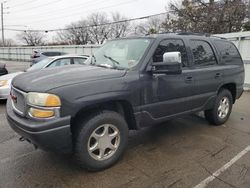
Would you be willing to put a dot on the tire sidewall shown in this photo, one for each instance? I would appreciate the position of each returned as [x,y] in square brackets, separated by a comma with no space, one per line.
[88,127]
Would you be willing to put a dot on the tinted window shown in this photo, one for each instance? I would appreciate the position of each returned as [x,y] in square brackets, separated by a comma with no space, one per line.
[202,52]
[78,60]
[60,62]
[228,52]
[171,45]
[51,53]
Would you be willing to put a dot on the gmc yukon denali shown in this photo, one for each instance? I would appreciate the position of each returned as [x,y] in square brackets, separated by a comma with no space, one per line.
[127,84]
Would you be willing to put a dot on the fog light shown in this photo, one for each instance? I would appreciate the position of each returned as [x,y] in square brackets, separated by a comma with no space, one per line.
[37,113]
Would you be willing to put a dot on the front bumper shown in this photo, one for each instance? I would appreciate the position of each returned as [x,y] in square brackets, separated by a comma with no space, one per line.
[53,135]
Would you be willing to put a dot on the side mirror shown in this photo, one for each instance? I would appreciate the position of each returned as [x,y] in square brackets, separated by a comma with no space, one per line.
[171,64]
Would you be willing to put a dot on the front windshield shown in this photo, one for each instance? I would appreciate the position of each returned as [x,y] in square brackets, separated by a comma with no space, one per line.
[123,54]
[39,65]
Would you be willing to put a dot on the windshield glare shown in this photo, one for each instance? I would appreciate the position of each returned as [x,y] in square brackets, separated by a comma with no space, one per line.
[124,53]
[40,64]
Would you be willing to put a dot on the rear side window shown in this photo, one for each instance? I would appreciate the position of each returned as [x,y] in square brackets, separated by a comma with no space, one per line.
[228,52]
[51,53]
[60,62]
[171,45]
[203,53]
[78,60]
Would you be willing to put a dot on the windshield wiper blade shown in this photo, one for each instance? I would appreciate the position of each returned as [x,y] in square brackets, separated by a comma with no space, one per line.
[112,60]
[104,65]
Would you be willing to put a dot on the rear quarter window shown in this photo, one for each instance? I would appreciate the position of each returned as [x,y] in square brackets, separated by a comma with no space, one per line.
[228,52]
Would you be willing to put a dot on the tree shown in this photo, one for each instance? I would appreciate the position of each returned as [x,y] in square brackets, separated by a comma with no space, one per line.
[32,38]
[118,29]
[99,30]
[75,33]
[222,16]
[7,43]
[246,26]
[151,26]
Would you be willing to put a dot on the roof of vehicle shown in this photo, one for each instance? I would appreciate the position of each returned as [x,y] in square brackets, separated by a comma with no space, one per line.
[180,35]
[69,56]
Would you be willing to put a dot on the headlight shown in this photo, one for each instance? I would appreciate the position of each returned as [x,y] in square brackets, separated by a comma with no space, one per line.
[43,105]
[3,83]
[43,99]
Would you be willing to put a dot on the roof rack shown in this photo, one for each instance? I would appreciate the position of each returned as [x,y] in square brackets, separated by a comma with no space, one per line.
[188,33]
[218,37]
[191,33]
[185,33]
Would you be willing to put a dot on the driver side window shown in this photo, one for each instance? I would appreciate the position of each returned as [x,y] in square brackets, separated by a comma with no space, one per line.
[171,45]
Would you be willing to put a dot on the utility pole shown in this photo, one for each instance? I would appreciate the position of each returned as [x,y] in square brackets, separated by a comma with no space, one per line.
[2,24]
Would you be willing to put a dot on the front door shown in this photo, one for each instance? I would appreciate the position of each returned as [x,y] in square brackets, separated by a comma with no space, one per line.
[168,95]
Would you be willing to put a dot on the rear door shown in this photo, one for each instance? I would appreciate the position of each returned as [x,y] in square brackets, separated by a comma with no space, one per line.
[207,73]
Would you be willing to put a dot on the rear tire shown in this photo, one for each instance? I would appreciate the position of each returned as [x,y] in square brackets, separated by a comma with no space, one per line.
[101,140]
[221,111]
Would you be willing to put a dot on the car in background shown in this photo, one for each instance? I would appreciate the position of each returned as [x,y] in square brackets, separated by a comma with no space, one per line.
[38,56]
[3,69]
[5,81]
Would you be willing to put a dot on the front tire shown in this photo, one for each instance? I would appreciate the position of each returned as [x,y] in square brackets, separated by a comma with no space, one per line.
[221,111]
[101,140]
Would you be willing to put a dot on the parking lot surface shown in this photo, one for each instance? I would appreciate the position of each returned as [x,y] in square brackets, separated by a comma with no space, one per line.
[179,153]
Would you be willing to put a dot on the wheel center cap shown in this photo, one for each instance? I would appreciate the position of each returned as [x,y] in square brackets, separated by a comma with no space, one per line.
[104,142]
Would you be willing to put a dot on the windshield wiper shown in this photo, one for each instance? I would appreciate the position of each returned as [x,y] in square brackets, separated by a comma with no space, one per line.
[115,63]
[104,65]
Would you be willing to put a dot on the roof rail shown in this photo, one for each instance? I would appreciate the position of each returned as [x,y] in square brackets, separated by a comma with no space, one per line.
[218,37]
[158,33]
[191,33]
[183,33]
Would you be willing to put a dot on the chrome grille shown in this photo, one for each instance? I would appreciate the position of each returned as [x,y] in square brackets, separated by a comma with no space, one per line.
[18,101]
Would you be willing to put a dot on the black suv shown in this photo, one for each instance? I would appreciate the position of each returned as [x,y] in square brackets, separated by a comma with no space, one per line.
[127,84]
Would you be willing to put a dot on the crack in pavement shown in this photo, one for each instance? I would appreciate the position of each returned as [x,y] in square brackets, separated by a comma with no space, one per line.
[9,159]
[8,139]
[174,183]
[220,150]
[243,171]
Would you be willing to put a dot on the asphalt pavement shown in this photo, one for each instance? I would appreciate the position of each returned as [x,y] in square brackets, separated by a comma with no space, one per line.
[184,152]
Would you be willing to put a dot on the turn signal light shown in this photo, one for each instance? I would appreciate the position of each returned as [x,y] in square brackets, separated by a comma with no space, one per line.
[37,113]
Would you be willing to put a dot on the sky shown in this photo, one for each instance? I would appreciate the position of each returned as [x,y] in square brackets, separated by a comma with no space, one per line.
[54,14]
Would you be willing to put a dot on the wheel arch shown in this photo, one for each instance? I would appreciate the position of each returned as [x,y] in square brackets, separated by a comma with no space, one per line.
[122,107]
[231,87]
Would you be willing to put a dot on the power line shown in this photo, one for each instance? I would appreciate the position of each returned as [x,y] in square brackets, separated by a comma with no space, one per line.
[79,6]
[76,13]
[96,25]
[21,4]
[38,6]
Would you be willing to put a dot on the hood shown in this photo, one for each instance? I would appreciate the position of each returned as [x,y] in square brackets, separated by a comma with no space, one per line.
[51,78]
[9,76]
